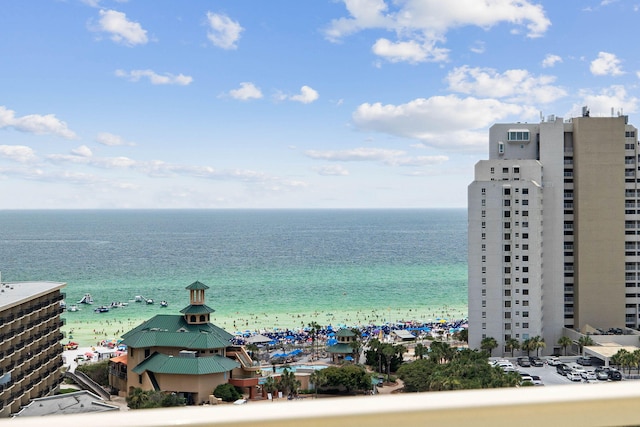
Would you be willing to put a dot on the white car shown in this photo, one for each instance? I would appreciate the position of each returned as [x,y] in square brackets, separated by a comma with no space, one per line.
[240,402]
[554,361]
[577,368]
[574,376]
[589,375]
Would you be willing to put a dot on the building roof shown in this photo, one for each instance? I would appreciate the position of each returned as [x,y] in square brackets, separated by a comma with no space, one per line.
[197,309]
[196,286]
[166,330]
[341,348]
[404,334]
[164,364]
[80,402]
[14,293]
[119,359]
[345,332]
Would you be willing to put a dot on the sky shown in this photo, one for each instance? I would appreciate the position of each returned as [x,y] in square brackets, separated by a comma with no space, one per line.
[257,104]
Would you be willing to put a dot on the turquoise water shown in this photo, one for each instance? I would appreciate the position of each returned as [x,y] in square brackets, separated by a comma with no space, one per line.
[275,267]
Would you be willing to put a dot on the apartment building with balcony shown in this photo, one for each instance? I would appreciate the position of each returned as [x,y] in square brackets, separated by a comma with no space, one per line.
[554,230]
[30,350]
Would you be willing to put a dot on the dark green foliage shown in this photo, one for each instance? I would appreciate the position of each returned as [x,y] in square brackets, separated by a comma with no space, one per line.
[467,369]
[98,372]
[227,392]
[146,399]
[352,378]
[384,357]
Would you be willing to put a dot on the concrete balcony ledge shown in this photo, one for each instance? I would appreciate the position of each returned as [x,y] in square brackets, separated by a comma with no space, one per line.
[605,404]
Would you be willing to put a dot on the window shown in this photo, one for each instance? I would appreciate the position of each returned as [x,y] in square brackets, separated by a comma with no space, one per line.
[507,270]
[525,325]
[507,292]
[506,191]
[484,314]
[518,135]
[507,214]
[525,235]
[147,352]
[525,224]
[516,169]
[507,236]
[525,303]
[525,269]
[507,258]
[525,213]
[507,326]
[507,202]
[525,191]
[484,191]
[484,292]
[507,248]
[525,292]
[507,304]
[525,258]
[525,202]
[525,314]
[484,303]
[525,247]
[507,315]
[507,281]
[505,170]
[484,236]
[525,280]
[507,225]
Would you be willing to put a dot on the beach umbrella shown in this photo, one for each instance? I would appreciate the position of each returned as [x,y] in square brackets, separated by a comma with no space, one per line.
[332,341]
[348,358]
[331,334]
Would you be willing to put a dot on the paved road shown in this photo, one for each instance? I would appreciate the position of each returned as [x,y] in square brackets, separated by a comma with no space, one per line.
[549,375]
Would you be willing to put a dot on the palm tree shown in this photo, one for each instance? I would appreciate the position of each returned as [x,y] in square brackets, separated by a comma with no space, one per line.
[512,344]
[584,341]
[564,342]
[488,344]
[314,328]
[254,351]
[537,343]
[388,351]
[318,379]
[270,385]
[527,345]
[420,351]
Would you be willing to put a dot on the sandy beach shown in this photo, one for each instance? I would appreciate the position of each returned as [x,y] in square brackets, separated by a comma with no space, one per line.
[112,325]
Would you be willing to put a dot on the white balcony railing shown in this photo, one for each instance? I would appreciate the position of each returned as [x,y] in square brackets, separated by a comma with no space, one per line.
[604,404]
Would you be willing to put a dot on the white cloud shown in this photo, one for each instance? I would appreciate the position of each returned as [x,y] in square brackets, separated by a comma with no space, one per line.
[307,95]
[385,156]
[35,123]
[478,47]
[121,29]
[106,138]
[602,103]
[551,60]
[18,153]
[606,64]
[223,32]
[515,85]
[420,24]
[82,151]
[446,122]
[332,170]
[409,51]
[154,78]
[246,91]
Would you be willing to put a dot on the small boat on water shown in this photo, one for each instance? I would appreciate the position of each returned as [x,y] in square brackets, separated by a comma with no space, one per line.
[150,301]
[86,299]
[118,304]
[164,304]
[73,308]
[102,309]
[139,298]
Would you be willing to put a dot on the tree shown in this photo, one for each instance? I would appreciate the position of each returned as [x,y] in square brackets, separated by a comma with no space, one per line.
[420,351]
[488,344]
[388,351]
[270,385]
[584,341]
[145,399]
[227,392]
[253,349]
[356,345]
[288,382]
[537,343]
[318,379]
[440,352]
[461,335]
[564,342]
[512,344]
[314,329]
[527,345]
[350,377]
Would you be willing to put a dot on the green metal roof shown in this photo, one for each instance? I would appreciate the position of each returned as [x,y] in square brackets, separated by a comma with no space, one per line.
[344,332]
[341,348]
[197,285]
[197,309]
[167,330]
[164,364]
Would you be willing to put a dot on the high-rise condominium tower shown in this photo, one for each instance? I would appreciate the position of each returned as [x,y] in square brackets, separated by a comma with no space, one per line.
[554,230]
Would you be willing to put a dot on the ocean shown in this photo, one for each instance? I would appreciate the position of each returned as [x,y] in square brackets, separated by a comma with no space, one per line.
[264,268]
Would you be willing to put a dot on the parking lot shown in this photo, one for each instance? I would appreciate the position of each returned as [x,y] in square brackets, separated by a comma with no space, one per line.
[548,373]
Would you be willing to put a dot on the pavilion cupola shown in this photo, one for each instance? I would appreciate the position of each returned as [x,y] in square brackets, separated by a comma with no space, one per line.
[197,312]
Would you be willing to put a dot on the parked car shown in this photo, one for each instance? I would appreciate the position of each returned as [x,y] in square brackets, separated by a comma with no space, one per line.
[574,376]
[589,375]
[504,364]
[524,362]
[615,375]
[536,380]
[526,378]
[577,368]
[536,361]
[553,360]
[584,361]
[563,369]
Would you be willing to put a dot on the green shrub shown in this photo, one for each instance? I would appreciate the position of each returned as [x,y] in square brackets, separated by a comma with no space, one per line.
[227,392]
[98,372]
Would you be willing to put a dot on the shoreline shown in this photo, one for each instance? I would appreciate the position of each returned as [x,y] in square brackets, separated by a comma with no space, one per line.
[90,330]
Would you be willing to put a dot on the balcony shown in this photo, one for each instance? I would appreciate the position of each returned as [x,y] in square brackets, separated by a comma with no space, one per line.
[586,405]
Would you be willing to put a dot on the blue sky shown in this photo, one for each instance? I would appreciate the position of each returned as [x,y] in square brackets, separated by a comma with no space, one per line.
[289,103]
